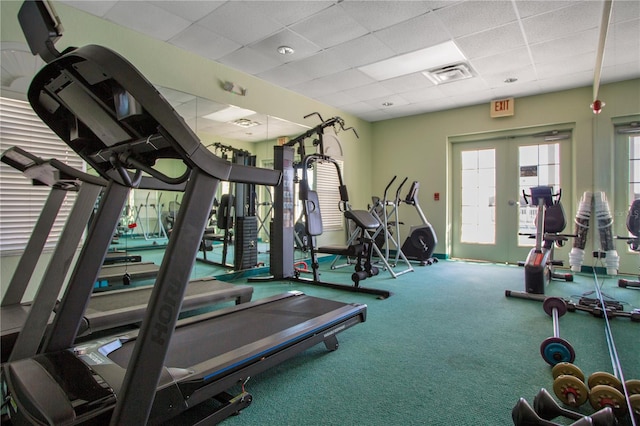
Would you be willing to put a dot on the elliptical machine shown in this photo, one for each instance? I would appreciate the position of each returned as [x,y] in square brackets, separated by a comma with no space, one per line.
[550,222]
[422,240]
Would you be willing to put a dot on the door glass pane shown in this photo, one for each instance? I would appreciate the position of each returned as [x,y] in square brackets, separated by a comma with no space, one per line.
[539,165]
[478,196]
[634,168]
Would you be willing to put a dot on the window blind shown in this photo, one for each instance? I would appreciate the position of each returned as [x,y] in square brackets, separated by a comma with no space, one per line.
[20,201]
[327,187]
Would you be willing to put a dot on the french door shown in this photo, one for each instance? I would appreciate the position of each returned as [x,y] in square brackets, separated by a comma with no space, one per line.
[489,210]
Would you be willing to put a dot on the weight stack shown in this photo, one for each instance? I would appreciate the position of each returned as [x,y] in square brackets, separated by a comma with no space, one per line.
[246,246]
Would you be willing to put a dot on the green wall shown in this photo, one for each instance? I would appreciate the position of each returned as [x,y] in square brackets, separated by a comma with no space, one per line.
[419,146]
[416,146]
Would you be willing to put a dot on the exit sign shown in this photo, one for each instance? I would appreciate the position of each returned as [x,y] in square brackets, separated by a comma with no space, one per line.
[502,108]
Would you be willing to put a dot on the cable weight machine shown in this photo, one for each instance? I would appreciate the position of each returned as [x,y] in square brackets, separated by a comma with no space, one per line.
[283,224]
[236,216]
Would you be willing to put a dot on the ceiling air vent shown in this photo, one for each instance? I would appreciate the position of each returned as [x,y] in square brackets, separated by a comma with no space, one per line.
[449,73]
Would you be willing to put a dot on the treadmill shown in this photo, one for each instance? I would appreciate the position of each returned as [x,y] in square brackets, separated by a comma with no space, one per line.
[105,310]
[62,179]
[105,110]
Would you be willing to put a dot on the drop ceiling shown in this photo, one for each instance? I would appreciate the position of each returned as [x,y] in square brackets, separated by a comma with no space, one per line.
[545,46]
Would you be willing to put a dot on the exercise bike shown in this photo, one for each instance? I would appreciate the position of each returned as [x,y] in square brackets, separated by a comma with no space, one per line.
[550,222]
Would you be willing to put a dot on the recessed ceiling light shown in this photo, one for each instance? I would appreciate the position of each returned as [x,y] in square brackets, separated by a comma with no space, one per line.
[435,56]
[510,80]
[245,122]
[286,50]
[387,104]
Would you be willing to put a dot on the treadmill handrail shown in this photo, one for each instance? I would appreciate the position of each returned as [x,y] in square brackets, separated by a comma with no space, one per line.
[50,172]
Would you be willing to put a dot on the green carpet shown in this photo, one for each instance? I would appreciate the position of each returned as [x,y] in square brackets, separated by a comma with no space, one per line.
[448,348]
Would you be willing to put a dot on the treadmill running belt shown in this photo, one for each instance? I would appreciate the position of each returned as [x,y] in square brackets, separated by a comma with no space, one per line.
[234,331]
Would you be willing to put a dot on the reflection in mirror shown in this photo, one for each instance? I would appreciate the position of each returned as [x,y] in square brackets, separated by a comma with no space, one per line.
[241,136]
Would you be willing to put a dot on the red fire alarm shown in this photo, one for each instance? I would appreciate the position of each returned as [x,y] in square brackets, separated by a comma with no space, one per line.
[597,106]
[436,196]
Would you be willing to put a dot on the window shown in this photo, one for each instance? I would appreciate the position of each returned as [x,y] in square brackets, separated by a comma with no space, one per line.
[634,168]
[20,201]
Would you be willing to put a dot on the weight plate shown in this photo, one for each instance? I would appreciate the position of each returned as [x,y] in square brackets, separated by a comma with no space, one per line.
[567,369]
[554,302]
[633,387]
[603,378]
[634,400]
[602,396]
[570,390]
[555,350]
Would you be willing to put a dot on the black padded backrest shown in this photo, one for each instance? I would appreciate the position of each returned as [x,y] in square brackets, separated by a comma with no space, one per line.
[312,213]
[633,218]
[554,219]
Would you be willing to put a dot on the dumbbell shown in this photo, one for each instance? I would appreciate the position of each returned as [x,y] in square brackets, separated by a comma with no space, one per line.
[547,408]
[605,390]
[523,415]
[568,384]
[555,349]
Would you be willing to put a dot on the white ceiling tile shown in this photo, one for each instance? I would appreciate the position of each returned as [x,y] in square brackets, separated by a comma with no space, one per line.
[511,60]
[191,10]
[337,99]
[348,79]
[302,47]
[144,17]
[288,12]
[370,91]
[321,64]
[621,71]
[203,42]
[315,88]
[575,44]
[474,16]
[374,115]
[563,82]
[623,42]
[579,17]
[285,76]
[375,15]
[329,27]
[383,102]
[362,51]
[408,82]
[463,87]
[497,80]
[491,42]
[249,60]
[624,10]
[240,23]
[423,95]
[527,8]
[515,90]
[418,33]
[97,7]
[566,66]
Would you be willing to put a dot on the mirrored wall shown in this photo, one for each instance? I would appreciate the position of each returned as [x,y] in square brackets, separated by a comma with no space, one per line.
[236,134]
